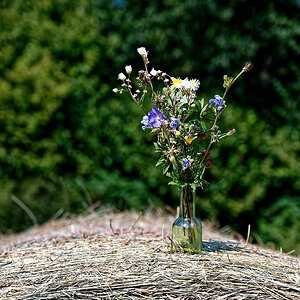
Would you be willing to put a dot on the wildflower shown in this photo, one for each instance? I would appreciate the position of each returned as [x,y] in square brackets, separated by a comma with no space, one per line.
[128,69]
[156,118]
[185,84]
[195,84]
[188,140]
[121,76]
[177,83]
[201,135]
[146,123]
[115,90]
[218,101]
[174,124]
[208,164]
[204,152]
[142,51]
[186,164]
[153,72]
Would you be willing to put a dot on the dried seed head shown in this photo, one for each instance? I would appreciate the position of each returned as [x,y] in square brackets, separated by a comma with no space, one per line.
[247,66]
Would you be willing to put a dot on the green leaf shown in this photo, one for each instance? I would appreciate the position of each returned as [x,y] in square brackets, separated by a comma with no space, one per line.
[160,161]
[172,183]
[166,168]
[203,111]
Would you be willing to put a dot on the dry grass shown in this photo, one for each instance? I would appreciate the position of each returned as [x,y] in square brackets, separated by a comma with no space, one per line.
[124,256]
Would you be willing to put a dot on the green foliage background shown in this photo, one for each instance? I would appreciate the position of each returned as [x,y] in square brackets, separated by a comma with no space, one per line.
[67,141]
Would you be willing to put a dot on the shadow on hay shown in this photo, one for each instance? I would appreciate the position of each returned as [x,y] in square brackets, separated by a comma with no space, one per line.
[216,246]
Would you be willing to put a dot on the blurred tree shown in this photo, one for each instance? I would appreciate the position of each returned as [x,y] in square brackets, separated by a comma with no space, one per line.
[67,141]
[205,39]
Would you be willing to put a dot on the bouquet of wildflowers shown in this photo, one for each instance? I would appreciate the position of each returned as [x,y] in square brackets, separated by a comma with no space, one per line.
[185,126]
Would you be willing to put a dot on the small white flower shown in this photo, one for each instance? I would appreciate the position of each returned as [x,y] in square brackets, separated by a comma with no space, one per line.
[177,83]
[121,76]
[115,90]
[153,72]
[142,51]
[128,69]
[195,84]
[186,84]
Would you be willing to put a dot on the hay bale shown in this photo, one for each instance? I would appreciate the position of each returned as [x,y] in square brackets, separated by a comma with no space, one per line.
[126,256]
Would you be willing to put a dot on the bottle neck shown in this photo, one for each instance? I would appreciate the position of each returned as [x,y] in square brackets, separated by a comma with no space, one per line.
[187,202]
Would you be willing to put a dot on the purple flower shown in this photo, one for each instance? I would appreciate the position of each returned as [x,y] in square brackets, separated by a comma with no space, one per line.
[218,101]
[174,124]
[146,123]
[156,118]
[186,164]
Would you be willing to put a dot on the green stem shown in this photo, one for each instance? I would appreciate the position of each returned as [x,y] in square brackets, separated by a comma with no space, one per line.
[150,82]
[215,121]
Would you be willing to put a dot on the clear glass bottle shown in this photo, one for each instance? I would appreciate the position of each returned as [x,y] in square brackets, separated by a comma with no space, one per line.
[187,229]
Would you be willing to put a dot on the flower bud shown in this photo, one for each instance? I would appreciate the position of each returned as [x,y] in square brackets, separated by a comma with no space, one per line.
[121,76]
[246,67]
[128,69]
[206,154]
[201,135]
[178,134]
[232,131]
[208,164]
[172,159]
[155,130]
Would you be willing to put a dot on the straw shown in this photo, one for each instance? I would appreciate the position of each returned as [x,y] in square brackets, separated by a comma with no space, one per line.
[127,256]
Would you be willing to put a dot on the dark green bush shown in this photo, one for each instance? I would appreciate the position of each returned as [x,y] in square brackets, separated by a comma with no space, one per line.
[67,141]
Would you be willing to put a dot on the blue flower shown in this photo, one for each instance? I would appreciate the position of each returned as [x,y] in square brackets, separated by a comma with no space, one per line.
[174,124]
[146,123]
[186,164]
[156,118]
[218,101]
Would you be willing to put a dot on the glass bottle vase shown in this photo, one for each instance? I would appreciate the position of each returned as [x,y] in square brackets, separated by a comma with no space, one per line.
[187,229]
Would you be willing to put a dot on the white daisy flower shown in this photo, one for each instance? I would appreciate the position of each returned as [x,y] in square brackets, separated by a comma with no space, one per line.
[186,84]
[177,83]
[195,84]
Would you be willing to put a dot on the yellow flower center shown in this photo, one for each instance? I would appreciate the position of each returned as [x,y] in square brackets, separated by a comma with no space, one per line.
[176,80]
